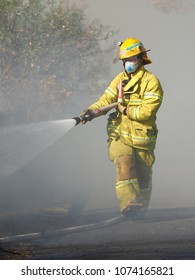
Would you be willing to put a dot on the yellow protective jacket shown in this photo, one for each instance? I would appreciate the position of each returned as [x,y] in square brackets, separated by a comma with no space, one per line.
[142,97]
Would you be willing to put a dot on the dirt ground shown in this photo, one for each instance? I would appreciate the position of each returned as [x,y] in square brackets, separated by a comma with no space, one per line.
[163,234]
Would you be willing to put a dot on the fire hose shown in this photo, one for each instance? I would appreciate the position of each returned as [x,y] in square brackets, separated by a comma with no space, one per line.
[62,231]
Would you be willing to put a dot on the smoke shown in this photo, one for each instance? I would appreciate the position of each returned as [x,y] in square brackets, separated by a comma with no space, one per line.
[67,174]
[58,175]
[177,6]
[76,168]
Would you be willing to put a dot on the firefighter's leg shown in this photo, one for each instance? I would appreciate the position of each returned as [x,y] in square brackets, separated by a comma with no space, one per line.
[127,185]
[144,162]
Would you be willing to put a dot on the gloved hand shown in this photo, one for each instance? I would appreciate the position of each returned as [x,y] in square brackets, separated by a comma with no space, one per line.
[86,116]
[122,109]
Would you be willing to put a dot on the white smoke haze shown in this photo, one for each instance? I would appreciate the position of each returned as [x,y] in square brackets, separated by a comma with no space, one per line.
[177,6]
[75,170]
[77,167]
[40,164]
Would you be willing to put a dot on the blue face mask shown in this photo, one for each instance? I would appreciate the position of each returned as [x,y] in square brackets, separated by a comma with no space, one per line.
[131,67]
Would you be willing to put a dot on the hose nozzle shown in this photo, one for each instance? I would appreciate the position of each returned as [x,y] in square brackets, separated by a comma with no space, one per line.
[77,119]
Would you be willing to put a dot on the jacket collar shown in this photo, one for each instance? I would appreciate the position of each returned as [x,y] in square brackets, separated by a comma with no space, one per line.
[135,78]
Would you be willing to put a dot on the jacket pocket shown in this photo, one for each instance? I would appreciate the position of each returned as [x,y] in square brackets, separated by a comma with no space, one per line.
[140,136]
[144,136]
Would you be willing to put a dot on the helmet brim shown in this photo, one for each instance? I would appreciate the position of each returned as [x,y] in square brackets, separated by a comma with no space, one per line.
[145,58]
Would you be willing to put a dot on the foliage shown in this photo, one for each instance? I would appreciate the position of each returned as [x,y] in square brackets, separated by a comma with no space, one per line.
[49,56]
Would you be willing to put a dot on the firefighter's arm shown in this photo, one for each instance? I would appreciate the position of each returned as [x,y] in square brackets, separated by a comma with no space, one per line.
[108,97]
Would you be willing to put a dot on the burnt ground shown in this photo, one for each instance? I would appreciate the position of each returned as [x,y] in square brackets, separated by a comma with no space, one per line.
[163,234]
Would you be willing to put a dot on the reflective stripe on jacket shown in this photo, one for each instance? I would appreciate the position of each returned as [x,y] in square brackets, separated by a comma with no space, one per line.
[142,97]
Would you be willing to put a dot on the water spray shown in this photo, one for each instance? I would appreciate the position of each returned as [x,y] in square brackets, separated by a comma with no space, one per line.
[21,144]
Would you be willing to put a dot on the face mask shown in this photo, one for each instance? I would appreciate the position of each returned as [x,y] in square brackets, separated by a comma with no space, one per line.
[131,67]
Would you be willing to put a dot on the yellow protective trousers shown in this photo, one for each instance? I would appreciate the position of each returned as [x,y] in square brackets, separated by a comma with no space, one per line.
[134,174]
[127,192]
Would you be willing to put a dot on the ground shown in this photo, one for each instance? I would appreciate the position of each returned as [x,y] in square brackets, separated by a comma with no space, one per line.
[164,234]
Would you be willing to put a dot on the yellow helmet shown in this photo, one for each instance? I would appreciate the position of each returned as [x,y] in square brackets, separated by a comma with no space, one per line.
[131,47]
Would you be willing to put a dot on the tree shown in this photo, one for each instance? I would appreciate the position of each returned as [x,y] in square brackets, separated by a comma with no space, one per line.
[50,56]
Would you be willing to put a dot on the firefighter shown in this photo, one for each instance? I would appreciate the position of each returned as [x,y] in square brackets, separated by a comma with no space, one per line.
[132,129]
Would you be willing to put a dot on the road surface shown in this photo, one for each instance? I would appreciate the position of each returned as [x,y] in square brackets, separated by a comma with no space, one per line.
[164,234]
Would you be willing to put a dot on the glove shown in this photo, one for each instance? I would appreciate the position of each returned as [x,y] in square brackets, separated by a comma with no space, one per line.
[86,116]
[122,109]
